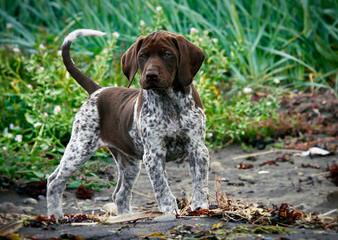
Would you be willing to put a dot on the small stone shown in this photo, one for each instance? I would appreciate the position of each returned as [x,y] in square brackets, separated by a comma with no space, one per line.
[27,210]
[7,207]
[236,184]
[333,198]
[263,172]
[110,208]
[41,197]
[103,199]
[30,201]
[216,166]
[303,207]
[247,178]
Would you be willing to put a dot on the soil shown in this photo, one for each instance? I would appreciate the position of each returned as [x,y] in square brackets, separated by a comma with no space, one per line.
[272,178]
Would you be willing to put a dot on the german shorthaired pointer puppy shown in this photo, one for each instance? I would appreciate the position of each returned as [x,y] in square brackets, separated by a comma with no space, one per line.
[162,121]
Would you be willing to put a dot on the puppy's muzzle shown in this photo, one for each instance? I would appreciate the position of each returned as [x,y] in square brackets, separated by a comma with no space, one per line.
[152,76]
[152,79]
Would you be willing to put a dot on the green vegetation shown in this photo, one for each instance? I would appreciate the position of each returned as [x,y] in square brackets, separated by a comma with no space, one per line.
[251,46]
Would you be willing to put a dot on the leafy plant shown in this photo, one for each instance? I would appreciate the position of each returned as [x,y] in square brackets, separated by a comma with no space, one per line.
[251,46]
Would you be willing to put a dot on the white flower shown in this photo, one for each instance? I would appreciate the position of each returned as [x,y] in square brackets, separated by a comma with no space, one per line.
[41,46]
[11,126]
[104,51]
[116,34]
[16,49]
[247,90]
[9,25]
[57,109]
[30,86]
[4,148]
[18,138]
[37,124]
[209,135]
[276,81]
[193,30]
[268,103]
[59,53]
[158,9]
[142,23]
[45,114]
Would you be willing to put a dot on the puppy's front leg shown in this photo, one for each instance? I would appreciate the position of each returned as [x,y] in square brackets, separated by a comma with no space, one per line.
[153,159]
[199,166]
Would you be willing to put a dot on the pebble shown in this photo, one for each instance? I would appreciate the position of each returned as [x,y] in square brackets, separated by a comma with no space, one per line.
[110,208]
[333,198]
[302,206]
[26,210]
[247,178]
[216,166]
[41,197]
[8,207]
[263,172]
[30,201]
[101,199]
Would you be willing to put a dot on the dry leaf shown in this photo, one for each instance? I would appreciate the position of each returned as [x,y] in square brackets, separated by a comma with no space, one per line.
[221,198]
[10,228]
[245,166]
[131,217]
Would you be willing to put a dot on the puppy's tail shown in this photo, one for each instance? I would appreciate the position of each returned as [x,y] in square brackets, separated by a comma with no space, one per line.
[88,84]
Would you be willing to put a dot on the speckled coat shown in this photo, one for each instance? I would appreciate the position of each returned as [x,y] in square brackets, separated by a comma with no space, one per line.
[137,125]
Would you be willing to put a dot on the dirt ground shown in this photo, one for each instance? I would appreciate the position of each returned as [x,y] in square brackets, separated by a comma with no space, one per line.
[299,181]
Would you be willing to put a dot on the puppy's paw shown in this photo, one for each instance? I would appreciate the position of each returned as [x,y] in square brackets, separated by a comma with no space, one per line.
[197,205]
[169,205]
[110,208]
[200,200]
[56,213]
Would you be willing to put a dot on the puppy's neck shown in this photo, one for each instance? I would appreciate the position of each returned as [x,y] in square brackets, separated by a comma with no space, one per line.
[168,97]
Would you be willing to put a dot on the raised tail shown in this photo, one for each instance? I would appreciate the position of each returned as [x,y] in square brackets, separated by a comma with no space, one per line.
[88,84]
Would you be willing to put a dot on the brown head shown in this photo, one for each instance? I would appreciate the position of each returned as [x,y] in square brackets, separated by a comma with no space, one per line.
[165,60]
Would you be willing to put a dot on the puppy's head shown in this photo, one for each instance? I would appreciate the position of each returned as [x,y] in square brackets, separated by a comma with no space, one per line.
[164,59]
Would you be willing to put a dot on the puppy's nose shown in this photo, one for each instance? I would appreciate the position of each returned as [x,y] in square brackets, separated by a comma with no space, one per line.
[152,76]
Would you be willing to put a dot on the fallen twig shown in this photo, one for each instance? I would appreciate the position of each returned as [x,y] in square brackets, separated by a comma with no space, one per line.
[265,153]
[131,217]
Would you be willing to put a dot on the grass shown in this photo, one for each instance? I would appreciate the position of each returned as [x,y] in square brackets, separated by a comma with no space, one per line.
[259,46]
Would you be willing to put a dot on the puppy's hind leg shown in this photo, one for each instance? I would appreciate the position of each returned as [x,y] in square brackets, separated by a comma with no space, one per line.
[129,170]
[83,143]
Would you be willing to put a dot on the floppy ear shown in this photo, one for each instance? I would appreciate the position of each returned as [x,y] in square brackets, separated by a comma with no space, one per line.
[190,60]
[129,59]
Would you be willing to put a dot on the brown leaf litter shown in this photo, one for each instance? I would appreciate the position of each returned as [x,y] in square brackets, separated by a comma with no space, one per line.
[33,189]
[226,209]
[309,165]
[333,176]
[251,213]
[306,120]
[245,166]
[83,192]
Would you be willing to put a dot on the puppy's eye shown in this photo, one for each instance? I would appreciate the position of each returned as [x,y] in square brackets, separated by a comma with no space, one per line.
[142,55]
[167,54]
